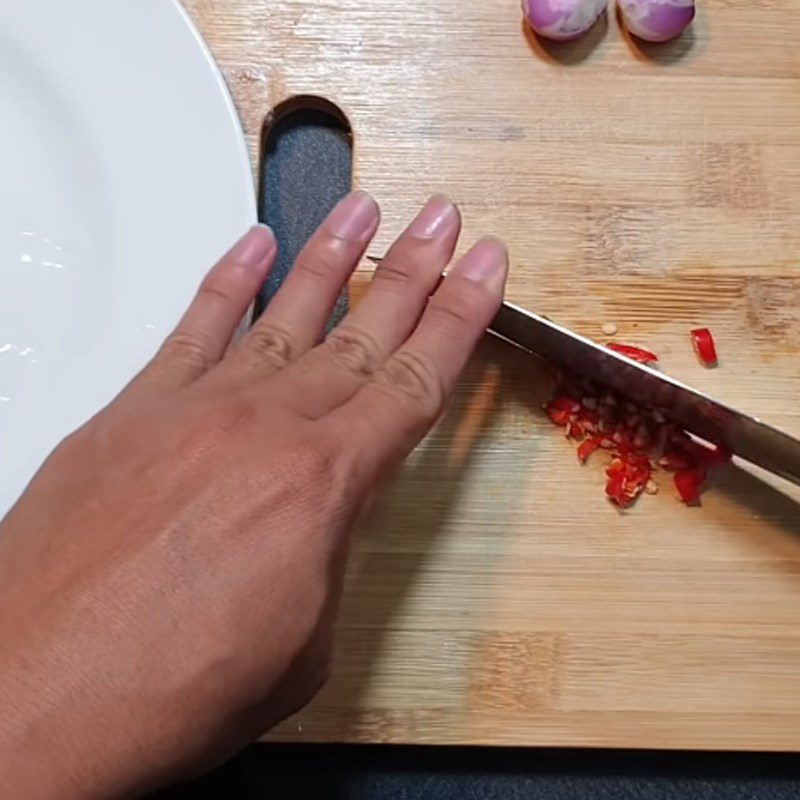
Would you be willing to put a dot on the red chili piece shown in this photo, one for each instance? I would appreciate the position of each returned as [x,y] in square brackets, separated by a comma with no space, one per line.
[561,409]
[704,346]
[627,478]
[589,446]
[635,353]
[689,482]
[615,489]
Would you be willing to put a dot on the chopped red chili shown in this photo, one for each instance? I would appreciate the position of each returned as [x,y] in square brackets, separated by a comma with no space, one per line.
[627,478]
[689,482]
[704,346]
[561,409]
[615,489]
[567,403]
[635,438]
[636,353]
[589,446]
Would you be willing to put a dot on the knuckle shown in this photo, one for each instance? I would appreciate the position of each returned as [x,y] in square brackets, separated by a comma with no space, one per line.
[458,311]
[355,349]
[398,267]
[218,287]
[188,348]
[414,377]
[271,344]
[318,263]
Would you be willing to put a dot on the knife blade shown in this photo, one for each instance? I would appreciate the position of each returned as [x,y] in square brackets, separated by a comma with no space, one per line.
[744,435]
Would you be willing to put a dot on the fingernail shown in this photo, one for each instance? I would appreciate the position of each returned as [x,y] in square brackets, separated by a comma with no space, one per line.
[435,219]
[354,218]
[254,247]
[487,262]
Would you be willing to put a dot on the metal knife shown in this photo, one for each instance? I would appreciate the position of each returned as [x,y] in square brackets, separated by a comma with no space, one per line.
[699,414]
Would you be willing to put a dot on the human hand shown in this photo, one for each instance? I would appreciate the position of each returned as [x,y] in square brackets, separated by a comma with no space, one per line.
[170,578]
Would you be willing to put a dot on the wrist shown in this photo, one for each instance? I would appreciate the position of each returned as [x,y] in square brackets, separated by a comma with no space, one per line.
[33,735]
[54,738]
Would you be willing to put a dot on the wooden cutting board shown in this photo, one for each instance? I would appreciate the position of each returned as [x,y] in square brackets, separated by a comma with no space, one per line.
[495,596]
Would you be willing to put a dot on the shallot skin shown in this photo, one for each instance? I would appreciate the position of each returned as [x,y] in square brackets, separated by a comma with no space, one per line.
[657,20]
[562,20]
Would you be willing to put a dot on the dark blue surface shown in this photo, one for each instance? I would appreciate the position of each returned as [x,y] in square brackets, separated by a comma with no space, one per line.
[396,773]
[307,168]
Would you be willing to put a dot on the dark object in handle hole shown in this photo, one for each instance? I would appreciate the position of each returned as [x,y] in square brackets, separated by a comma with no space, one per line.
[306,168]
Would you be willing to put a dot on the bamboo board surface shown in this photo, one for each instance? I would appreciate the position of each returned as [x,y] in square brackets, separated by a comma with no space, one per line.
[495,597]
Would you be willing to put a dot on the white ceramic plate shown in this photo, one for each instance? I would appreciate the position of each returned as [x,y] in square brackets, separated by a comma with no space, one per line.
[123,176]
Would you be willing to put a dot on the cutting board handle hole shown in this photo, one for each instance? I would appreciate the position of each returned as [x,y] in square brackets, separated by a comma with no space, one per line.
[306,168]
[305,109]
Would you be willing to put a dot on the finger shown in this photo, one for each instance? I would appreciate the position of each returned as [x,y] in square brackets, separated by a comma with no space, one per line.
[332,373]
[202,336]
[296,317]
[389,416]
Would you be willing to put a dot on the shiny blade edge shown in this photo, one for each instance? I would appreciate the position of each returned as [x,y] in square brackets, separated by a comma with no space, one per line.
[744,435]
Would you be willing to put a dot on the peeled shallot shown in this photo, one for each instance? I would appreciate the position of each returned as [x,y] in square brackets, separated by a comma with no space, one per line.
[562,20]
[657,20]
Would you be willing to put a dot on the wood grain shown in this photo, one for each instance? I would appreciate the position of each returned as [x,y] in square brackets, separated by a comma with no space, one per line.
[494,596]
